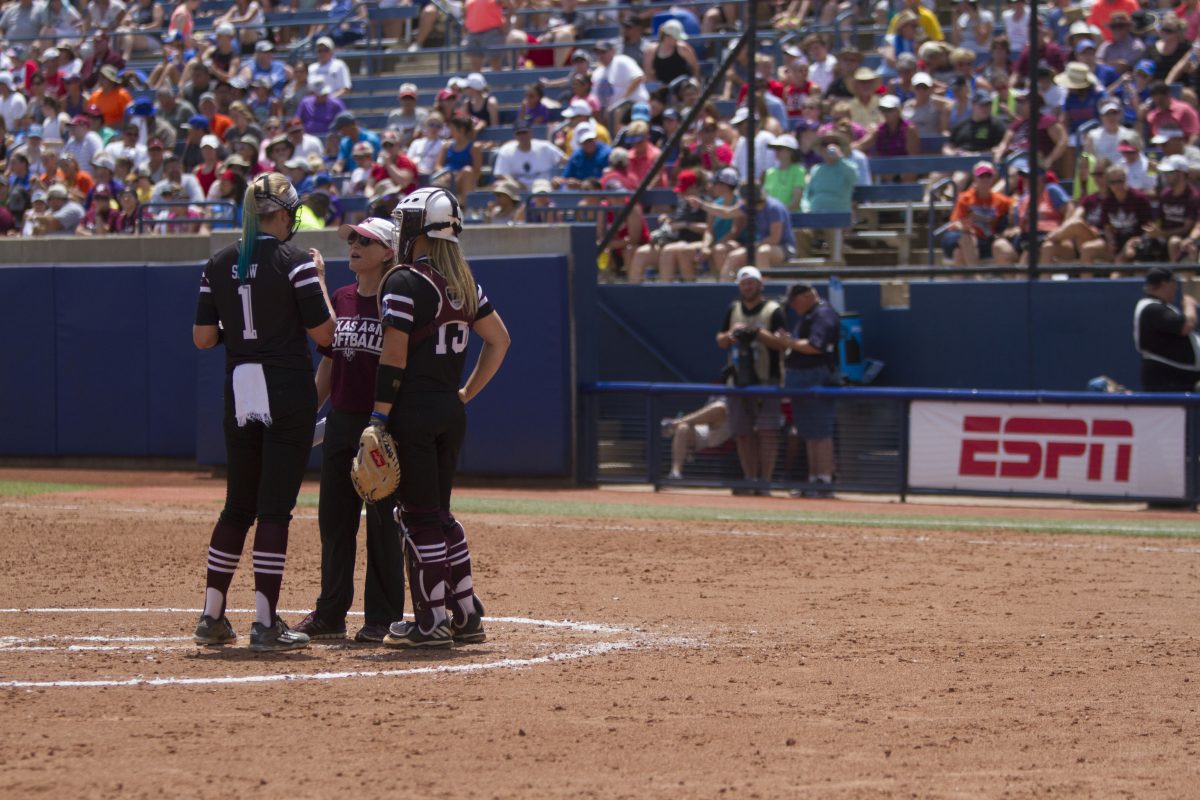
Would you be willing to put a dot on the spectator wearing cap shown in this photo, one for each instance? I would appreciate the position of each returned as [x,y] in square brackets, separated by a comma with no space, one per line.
[409,118]
[394,166]
[893,135]
[480,106]
[1054,209]
[1124,215]
[218,123]
[32,144]
[1137,168]
[675,244]
[1176,233]
[360,173]
[617,79]
[1171,141]
[525,159]
[633,41]
[82,142]
[1052,137]
[671,56]
[173,174]
[1164,110]
[13,105]
[972,27]
[1085,53]
[264,65]
[773,242]
[346,126]
[578,117]
[1104,11]
[305,145]
[104,171]
[111,98]
[155,152]
[103,55]
[639,113]
[62,215]
[785,180]
[223,58]
[127,145]
[1103,141]
[207,172]
[712,151]
[318,111]
[299,172]
[1163,335]
[484,22]
[979,217]
[718,239]
[864,105]
[176,68]
[797,88]
[461,160]
[194,130]
[588,160]
[101,217]
[332,69]
[764,157]
[928,112]
[246,16]
[925,18]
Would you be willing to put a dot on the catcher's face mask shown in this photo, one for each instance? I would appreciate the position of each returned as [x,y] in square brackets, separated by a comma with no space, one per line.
[410,224]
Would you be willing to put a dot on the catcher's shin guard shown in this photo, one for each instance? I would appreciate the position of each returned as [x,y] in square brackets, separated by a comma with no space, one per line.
[461,602]
[428,569]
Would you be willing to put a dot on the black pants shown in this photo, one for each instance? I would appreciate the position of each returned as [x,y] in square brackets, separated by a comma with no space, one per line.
[429,428]
[266,464]
[1159,377]
[383,595]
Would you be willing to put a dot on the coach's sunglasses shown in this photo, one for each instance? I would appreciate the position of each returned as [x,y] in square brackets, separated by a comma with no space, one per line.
[357,238]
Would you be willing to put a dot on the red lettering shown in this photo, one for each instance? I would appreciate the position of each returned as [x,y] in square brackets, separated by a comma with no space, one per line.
[969,462]
[1039,426]
[1112,427]
[1030,468]
[981,424]
[1056,451]
[1124,454]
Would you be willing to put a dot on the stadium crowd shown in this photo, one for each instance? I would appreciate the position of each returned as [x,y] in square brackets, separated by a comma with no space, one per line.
[151,117]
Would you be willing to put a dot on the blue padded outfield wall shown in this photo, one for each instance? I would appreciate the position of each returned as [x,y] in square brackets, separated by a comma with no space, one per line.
[956,335]
[100,362]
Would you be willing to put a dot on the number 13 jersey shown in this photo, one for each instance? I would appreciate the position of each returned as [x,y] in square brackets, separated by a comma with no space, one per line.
[415,299]
[265,317]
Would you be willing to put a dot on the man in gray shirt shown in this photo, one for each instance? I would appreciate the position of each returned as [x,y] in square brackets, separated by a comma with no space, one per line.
[63,215]
[20,20]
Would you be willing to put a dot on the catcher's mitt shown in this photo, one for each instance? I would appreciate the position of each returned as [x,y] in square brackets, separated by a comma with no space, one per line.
[375,471]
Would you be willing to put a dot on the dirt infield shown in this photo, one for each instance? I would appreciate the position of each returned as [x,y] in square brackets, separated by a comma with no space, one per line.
[640,646]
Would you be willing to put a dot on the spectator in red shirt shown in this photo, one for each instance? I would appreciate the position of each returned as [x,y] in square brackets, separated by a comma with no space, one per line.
[392,164]
[713,152]
[1166,111]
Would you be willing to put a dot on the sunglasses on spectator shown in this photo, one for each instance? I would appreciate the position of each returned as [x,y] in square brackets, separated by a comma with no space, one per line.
[358,238]
[1116,180]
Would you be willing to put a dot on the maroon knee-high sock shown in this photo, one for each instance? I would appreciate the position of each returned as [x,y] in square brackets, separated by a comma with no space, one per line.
[270,553]
[224,552]
[461,601]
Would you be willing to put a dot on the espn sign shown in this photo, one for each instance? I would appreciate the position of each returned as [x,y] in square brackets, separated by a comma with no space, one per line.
[1101,450]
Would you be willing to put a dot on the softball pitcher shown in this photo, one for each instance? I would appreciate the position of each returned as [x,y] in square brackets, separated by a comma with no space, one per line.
[259,297]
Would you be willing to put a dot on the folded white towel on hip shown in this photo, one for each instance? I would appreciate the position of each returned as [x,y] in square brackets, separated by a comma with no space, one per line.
[250,401]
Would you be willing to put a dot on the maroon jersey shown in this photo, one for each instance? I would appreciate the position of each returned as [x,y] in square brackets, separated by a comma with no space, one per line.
[354,354]
[1127,217]
[1093,209]
[416,300]
[1176,211]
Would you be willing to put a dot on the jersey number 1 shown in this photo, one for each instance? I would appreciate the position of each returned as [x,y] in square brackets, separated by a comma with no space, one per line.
[248,331]
[452,336]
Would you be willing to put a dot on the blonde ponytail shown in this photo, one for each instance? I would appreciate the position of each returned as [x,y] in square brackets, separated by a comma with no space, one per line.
[448,258]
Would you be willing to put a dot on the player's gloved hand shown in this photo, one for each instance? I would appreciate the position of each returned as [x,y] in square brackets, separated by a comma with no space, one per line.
[375,471]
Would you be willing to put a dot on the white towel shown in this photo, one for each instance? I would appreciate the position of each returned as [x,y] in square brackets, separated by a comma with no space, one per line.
[250,401]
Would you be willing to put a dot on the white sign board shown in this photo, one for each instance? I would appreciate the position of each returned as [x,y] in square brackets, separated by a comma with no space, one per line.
[1099,450]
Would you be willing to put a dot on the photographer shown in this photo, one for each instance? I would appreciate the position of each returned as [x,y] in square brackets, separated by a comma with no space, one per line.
[812,360]
[750,333]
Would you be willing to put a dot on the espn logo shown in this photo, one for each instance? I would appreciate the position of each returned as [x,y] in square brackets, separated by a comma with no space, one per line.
[1035,447]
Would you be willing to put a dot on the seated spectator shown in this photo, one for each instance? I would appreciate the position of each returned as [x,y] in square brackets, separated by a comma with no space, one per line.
[103,55]
[639,113]
[526,159]
[394,166]
[347,128]
[173,174]
[314,210]
[617,80]
[129,212]
[935,59]
[979,217]
[1174,234]
[1054,208]
[822,65]
[588,161]
[675,244]
[1104,140]
[409,117]
[617,176]
[35,212]
[928,112]
[578,116]
[718,239]
[306,145]
[100,218]
[506,207]
[864,105]
[829,185]
[927,20]
[533,109]
[764,159]
[711,150]
[1081,105]
[1137,168]
[1165,111]
[425,151]
[128,145]
[331,69]
[62,215]
[973,27]
[893,135]
[299,172]
[903,40]
[672,56]
[111,98]
[1052,137]
[703,429]
[480,106]
[79,183]
[1123,49]
[319,109]
[785,180]
[364,160]
[774,241]
[461,159]
[1085,53]
[629,237]
[643,154]
[901,85]
[1124,215]
[553,31]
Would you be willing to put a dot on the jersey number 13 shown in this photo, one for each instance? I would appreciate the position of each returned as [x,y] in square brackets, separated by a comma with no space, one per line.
[452,337]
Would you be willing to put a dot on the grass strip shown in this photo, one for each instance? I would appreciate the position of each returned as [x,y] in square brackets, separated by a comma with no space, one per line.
[1186,528]
[31,488]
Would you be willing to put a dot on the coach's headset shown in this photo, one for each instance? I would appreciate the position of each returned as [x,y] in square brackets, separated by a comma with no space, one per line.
[285,198]
[428,212]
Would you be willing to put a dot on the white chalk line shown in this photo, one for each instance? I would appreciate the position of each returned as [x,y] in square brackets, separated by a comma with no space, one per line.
[143,643]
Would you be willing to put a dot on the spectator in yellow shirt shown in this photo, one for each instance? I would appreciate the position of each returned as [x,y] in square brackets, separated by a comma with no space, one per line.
[925,18]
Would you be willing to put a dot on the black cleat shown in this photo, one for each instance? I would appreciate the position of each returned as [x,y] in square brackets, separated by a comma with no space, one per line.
[371,633]
[471,631]
[276,638]
[408,634]
[316,628]
[214,632]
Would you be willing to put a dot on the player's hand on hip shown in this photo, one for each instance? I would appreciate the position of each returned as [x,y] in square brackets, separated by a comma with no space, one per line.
[462,395]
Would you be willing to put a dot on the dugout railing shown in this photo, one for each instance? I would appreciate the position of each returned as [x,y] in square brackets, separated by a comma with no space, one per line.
[898,441]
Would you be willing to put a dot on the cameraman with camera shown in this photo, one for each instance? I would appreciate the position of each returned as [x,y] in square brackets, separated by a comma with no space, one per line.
[749,333]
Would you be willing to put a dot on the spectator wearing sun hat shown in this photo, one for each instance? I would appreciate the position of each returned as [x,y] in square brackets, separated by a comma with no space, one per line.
[111,98]
[1122,49]
[785,180]
[864,105]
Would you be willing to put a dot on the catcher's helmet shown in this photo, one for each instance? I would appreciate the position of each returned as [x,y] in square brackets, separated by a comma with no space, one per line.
[431,212]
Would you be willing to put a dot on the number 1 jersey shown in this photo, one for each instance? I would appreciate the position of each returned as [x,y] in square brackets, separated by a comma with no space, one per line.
[264,318]
[416,300]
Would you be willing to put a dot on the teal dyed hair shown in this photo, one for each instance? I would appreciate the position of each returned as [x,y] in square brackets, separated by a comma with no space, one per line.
[249,233]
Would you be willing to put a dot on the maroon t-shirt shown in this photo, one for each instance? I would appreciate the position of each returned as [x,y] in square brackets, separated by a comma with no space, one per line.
[1127,217]
[357,341]
[1093,209]
[1179,210]
[1020,137]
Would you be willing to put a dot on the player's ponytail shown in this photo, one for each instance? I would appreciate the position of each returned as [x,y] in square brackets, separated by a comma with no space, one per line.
[249,233]
[448,258]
